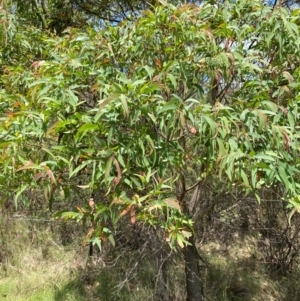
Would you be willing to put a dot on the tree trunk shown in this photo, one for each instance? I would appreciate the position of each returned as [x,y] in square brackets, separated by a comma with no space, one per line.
[162,283]
[161,259]
[194,284]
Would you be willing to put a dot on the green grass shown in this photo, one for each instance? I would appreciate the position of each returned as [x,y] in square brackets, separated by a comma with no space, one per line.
[32,289]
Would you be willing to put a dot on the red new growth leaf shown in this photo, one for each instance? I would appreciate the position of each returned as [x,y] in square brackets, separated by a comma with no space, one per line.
[132,215]
[17,104]
[35,65]
[192,130]
[118,178]
[80,209]
[39,175]
[125,211]
[51,176]
[158,63]
[29,164]
[227,43]
[173,203]
[91,203]
[103,237]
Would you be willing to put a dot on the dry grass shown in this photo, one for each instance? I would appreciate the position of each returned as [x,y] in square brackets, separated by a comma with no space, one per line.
[38,263]
[235,275]
[34,265]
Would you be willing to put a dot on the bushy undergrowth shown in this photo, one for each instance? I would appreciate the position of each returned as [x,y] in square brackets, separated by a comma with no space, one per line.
[45,261]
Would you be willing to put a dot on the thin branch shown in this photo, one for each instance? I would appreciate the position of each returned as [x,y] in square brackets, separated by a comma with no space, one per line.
[194,185]
[123,11]
[131,7]
[42,19]
[222,92]
[44,7]
[217,199]
[97,14]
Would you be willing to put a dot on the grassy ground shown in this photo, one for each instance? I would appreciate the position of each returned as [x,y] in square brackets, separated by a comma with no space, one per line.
[40,263]
[33,265]
[35,277]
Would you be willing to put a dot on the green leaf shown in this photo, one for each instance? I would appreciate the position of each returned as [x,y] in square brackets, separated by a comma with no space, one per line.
[291,119]
[284,178]
[125,104]
[167,107]
[120,160]
[96,241]
[264,157]
[110,134]
[245,178]
[84,129]
[106,101]
[112,240]
[20,190]
[108,168]
[211,124]
[172,79]
[78,168]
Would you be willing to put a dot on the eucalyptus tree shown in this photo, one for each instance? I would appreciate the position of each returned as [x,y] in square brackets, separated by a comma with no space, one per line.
[151,110]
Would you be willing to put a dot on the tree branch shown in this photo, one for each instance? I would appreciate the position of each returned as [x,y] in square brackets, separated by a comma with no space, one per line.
[42,19]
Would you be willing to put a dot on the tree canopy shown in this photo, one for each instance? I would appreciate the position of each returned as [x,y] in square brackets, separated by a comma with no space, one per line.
[150,109]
